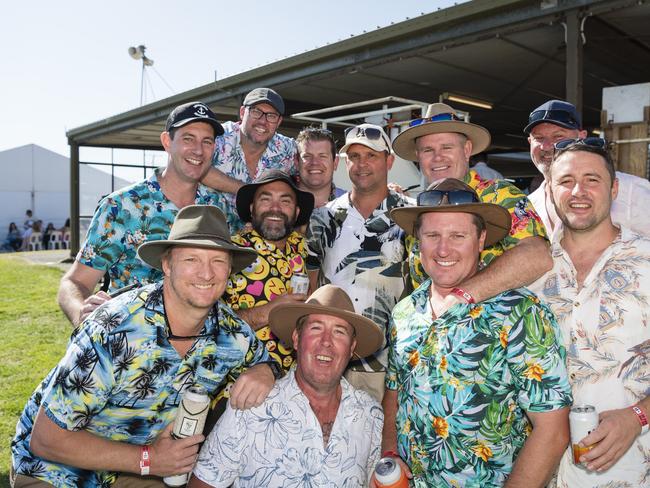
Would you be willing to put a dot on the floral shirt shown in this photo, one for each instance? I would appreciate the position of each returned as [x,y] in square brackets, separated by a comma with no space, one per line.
[362,256]
[122,380]
[280,443]
[465,380]
[264,280]
[124,220]
[228,158]
[605,330]
[525,222]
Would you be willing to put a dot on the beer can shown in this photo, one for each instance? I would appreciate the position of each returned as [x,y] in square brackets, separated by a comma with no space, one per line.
[583,419]
[299,283]
[190,420]
[388,474]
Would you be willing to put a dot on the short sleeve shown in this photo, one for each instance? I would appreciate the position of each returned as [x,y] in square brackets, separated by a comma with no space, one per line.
[314,240]
[103,245]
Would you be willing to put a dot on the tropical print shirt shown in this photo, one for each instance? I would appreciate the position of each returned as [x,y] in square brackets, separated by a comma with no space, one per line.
[261,282]
[605,330]
[281,153]
[465,380]
[280,443]
[362,256]
[124,220]
[525,222]
[122,380]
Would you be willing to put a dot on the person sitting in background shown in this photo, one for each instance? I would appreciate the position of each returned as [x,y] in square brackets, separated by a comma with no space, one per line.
[47,234]
[13,240]
[27,229]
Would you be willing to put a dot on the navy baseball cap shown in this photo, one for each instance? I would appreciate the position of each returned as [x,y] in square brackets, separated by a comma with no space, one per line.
[193,112]
[556,112]
[265,95]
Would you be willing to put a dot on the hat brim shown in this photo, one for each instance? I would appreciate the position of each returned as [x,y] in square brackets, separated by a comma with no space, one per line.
[368,335]
[246,195]
[152,251]
[532,125]
[404,143]
[218,128]
[497,219]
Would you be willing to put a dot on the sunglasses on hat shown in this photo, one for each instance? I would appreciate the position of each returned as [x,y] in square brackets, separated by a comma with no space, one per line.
[561,116]
[596,142]
[370,133]
[434,198]
[435,118]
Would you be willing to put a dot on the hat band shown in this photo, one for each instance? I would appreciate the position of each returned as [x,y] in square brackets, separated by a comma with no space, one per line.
[210,237]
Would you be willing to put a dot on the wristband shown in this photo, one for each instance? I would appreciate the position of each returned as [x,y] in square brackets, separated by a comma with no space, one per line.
[463,294]
[145,462]
[643,419]
[389,453]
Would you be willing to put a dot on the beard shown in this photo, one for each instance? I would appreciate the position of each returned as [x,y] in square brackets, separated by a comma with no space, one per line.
[273,231]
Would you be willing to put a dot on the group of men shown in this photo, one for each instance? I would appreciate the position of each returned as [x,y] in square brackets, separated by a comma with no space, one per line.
[415,303]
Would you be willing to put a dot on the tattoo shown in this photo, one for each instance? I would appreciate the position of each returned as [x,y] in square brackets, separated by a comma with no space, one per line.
[327,430]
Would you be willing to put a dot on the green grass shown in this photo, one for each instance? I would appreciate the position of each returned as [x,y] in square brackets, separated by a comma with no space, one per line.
[33,336]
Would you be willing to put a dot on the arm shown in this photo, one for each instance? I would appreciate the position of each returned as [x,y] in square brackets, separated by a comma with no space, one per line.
[258,317]
[75,292]
[542,451]
[87,451]
[218,180]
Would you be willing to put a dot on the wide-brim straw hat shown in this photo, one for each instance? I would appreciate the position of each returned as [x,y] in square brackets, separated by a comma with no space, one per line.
[201,226]
[497,218]
[404,143]
[327,300]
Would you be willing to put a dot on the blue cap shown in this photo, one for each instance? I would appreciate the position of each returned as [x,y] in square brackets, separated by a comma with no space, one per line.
[556,112]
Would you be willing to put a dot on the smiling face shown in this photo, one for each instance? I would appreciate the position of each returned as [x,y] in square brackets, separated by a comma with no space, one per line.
[324,345]
[190,151]
[450,244]
[368,169]
[316,164]
[258,131]
[444,155]
[543,138]
[274,210]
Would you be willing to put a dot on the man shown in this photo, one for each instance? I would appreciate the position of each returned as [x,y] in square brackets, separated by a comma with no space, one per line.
[142,212]
[317,161]
[599,289]
[461,385]
[557,120]
[106,409]
[353,244]
[442,144]
[274,206]
[314,429]
[250,147]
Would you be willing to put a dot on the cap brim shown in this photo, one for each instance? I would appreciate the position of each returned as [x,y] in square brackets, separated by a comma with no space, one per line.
[404,143]
[246,195]
[368,335]
[530,126]
[151,252]
[497,219]
[218,128]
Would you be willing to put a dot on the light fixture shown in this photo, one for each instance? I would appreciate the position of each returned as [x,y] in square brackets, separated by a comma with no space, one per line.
[466,100]
[597,132]
[137,53]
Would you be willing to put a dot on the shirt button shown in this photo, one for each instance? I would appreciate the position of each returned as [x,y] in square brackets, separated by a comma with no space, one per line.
[572,376]
[576,304]
[574,340]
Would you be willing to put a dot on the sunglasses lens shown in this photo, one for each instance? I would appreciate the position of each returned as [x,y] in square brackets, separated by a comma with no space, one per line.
[435,118]
[596,142]
[564,143]
[430,198]
[433,198]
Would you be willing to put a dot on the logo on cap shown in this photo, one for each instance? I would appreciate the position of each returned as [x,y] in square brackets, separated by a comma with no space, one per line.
[201,110]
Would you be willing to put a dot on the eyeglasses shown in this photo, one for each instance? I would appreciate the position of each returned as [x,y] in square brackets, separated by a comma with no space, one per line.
[435,118]
[271,117]
[561,116]
[370,133]
[596,142]
[434,198]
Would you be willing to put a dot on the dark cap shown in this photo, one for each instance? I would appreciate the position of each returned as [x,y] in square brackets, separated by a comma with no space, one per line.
[265,95]
[246,195]
[557,112]
[193,112]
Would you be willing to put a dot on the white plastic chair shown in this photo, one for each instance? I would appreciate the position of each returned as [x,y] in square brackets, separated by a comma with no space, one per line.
[65,242]
[35,242]
[56,240]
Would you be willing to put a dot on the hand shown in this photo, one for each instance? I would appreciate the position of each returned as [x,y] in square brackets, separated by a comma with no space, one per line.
[397,188]
[613,437]
[402,465]
[91,303]
[171,456]
[252,387]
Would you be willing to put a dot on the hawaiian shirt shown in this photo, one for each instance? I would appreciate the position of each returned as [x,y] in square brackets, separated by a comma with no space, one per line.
[281,153]
[124,220]
[261,282]
[605,330]
[465,381]
[122,380]
[280,443]
[362,256]
[525,222]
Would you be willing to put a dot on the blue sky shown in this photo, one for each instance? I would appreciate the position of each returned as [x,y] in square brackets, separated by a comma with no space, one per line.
[65,64]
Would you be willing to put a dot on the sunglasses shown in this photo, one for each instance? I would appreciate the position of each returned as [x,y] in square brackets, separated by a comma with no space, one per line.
[434,198]
[435,118]
[596,142]
[561,116]
[370,133]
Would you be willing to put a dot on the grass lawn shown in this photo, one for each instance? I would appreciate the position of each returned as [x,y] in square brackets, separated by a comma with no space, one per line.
[34,333]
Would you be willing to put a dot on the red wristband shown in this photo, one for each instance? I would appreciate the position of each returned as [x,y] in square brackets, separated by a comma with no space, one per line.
[642,417]
[389,453]
[145,462]
[463,294]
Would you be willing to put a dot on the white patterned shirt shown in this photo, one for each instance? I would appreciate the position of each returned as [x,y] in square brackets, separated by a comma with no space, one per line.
[280,443]
[606,332]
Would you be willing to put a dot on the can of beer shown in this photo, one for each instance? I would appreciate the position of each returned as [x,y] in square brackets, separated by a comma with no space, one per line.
[190,420]
[583,419]
[388,474]
[299,283]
